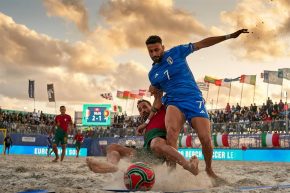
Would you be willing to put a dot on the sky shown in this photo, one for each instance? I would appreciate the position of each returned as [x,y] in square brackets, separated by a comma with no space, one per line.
[89,47]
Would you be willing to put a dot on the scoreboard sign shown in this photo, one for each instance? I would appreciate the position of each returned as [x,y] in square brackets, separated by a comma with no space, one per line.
[96,114]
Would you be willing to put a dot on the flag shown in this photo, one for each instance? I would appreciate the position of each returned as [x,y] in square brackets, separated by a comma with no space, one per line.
[248,79]
[232,79]
[126,94]
[31,88]
[270,140]
[203,86]
[284,73]
[221,140]
[117,108]
[271,77]
[209,79]
[134,95]
[107,96]
[50,93]
[222,83]
[119,94]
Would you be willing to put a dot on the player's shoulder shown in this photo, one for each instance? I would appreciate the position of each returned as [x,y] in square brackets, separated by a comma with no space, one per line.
[67,115]
[182,47]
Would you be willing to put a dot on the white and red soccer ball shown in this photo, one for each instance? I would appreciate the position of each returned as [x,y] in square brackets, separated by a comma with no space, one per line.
[139,177]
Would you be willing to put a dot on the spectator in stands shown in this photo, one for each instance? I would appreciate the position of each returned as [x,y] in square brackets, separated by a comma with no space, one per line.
[238,107]
[228,108]
[281,106]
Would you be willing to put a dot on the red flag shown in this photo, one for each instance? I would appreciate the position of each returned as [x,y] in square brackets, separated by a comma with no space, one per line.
[126,94]
[218,82]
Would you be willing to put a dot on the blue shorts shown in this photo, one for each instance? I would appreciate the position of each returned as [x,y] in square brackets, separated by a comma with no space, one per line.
[190,106]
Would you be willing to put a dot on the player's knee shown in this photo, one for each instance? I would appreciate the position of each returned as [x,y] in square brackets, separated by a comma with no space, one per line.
[205,139]
[156,148]
[111,148]
[172,137]
[172,127]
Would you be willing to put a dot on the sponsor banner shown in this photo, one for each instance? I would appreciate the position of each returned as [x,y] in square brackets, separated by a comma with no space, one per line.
[218,154]
[103,142]
[257,155]
[42,151]
[28,139]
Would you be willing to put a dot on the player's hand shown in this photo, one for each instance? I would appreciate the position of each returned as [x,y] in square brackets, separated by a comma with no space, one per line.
[239,32]
[140,129]
[153,90]
[158,94]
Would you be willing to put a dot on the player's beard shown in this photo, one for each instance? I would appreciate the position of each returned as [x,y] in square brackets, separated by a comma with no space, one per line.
[145,116]
[157,59]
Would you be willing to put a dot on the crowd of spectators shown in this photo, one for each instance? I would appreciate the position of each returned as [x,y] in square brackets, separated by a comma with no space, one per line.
[267,112]
[26,122]
[253,118]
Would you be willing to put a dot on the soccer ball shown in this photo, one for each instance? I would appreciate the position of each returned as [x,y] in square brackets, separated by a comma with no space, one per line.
[139,177]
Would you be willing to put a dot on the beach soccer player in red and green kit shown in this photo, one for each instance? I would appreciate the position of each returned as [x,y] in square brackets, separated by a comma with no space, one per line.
[63,123]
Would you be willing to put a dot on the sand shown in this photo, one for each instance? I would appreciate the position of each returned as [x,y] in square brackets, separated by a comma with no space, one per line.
[18,173]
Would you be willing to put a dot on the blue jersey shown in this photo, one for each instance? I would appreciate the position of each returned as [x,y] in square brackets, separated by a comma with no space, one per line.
[173,75]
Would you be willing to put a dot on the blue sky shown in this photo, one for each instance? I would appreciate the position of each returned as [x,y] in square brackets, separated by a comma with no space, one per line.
[90,47]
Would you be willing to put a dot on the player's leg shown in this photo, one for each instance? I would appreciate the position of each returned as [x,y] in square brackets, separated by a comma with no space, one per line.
[48,150]
[174,120]
[64,137]
[114,153]
[55,141]
[77,148]
[63,152]
[5,147]
[8,149]
[159,147]
[202,127]
[54,148]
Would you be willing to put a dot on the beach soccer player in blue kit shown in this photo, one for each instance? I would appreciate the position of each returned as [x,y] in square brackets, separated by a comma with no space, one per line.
[171,74]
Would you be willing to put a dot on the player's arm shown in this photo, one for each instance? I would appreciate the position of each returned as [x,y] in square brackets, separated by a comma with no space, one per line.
[157,103]
[217,39]
[70,126]
[56,122]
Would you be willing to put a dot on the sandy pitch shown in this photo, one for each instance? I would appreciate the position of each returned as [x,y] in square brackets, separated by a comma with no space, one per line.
[18,173]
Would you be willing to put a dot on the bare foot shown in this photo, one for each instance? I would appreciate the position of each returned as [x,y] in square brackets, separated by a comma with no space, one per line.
[101,167]
[210,173]
[192,165]
[56,159]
